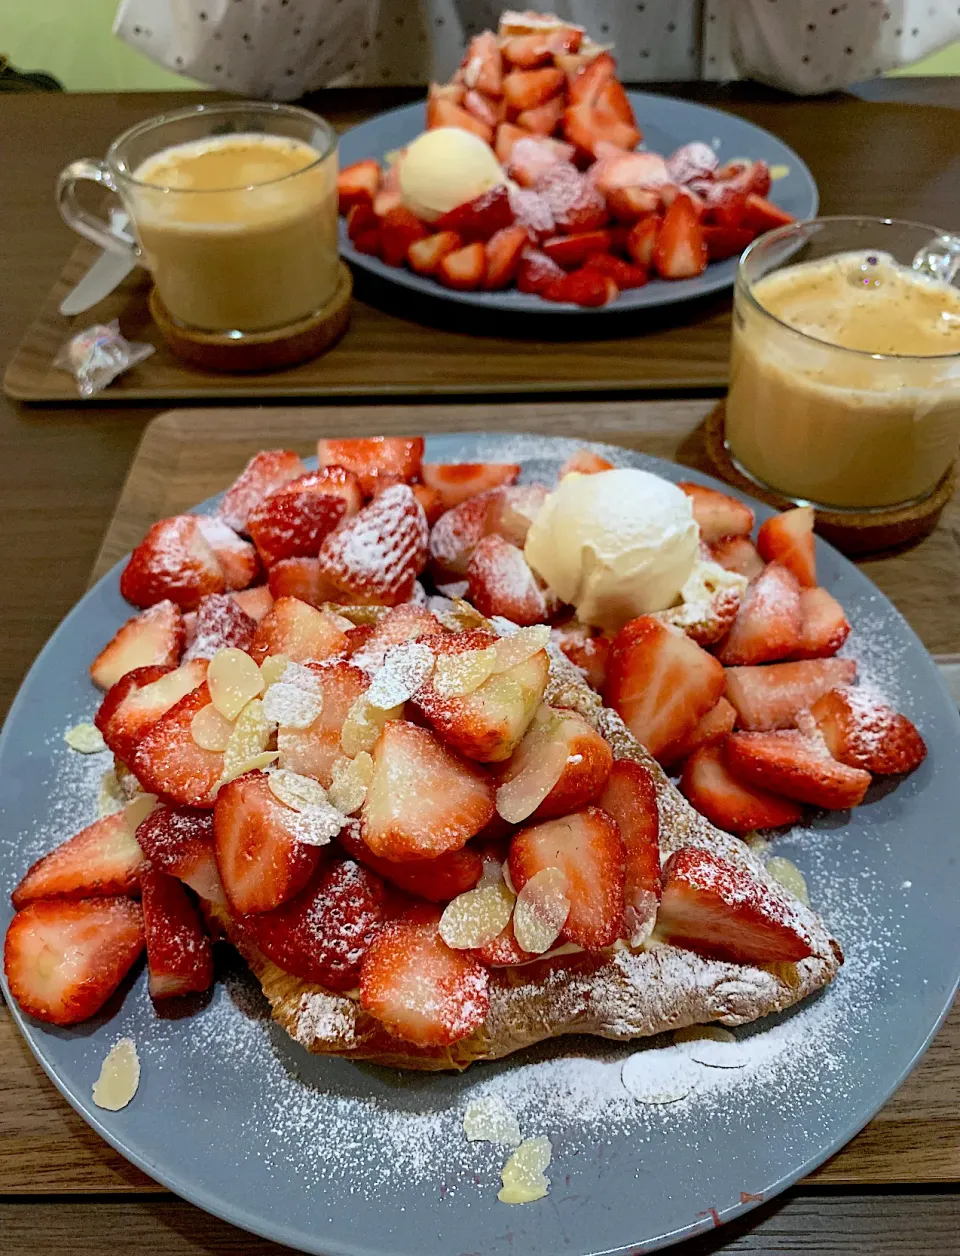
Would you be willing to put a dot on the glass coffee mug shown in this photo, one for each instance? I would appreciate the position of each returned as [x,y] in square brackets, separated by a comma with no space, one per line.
[845,362]
[234,207]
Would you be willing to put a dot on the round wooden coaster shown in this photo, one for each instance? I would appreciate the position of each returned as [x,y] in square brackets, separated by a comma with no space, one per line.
[851,532]
[260,351]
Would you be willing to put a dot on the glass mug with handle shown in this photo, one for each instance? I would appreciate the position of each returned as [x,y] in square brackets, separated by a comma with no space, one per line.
[845,362]
[234,207]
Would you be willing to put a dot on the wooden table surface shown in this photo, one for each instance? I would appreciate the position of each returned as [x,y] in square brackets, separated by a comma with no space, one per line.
[61,471]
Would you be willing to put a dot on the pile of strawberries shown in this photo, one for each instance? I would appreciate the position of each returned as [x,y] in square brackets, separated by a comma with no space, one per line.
[381,801]
[584,216]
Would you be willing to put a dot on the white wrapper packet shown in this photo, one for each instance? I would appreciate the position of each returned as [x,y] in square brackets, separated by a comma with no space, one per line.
[97,355]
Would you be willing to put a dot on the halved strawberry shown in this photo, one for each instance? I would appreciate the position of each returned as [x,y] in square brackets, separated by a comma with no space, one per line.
[720,910]
[633,205]
[576,204]
[724,242]
[502,583]
[584,287]
[537,272]
[561,763]
[358,184]
[265,473]
[300,578]
[630,797]
[420,989]
[544,119]
[717,515]
[482,67]
[299,631]
[399,228]
[768,624]
[728,802]
[587,848]
[262,858]
[586,85]
[526,89]
[179,841]
[503,252]
[424,256]
[173,561]
[599,111]
[292,522]
[514,509]
[788,539]
[725,206]
[713,727]
[863,732]
[323,933]
[660,683]
[458,532]
[431,502]
[139,699]
[168,762]
[102,859]
[456,481]
[237,557]
[507,136]
[407,622]
[312,751]
[691,161]
[570,252]
[444,113]
[680,251]
[360,220]
[584,462]
[374,460]
[367,241]
[400,819]
[220,623]
[763,215]
[179,954]
[64,959]
[437,880]
[737,553]
[642,240]
[527,51]
[375,557]
[625,275]
[823,625]
[794,765]
[586,648]
[531,157]
[256,601]
[479,219]
[154,638]
[464,269]
[770,697]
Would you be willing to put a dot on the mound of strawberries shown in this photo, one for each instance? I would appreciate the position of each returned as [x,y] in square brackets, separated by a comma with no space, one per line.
[584,216]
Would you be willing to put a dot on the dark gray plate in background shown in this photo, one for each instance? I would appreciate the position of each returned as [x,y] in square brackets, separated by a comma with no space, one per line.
[666,123]
[349,1160]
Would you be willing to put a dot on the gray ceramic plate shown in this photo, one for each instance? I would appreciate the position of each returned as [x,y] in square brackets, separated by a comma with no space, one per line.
[350,1160]
[666,123]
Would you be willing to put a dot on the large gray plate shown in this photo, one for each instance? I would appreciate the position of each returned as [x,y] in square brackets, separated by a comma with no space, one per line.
[666,123]
[340,1159]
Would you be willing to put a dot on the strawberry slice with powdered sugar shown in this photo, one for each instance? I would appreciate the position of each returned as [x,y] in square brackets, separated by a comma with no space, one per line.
[154,638]
[457,481]
[168,762]
[237,557]
[376,461]
[220,623]
[101,860]
[437,880]
[768,625]
[770,697]
[503,583]
[788,539]
[729,803]
[265,473]
[299,631]
[179,954]
[375,557]
[823,625]
[139,699]
[179,841]
[292,522]
[174,562]
[797,766]
[630,797]
[312,751]
[716,514]
[863,732]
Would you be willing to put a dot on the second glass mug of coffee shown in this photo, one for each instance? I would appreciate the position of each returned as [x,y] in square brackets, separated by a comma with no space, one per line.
[244,257]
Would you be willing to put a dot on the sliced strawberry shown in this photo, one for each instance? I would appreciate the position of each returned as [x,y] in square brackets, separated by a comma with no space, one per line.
[265,473]
[796,766]
[737,553]
[220,623]
[179,954]
[503,252]
[584,462]
[173,561]
[595,73]
[599,112]
[747,176]
[458,532]
[481,218]
[630,171]
[715,725]
[770,697]
[292,522]
[456,481]
[375,557]
[575,203]
[399,228]
[368,241]
[724,242]
[169,762]
[299,631]
[420,989]
[691,161]
[788,539]
[532,157]
[728,802]
[63,959]
[358,184]
[539,47]
[502,583]
[424,256]
[630,797]
[660,683]
[762,215]
[237,557]
[453,91]
[586,648]
[561,763]
[706,621]
[488,723]
[570,252]
[514,510]
[442,113]
[322,934]
[300,578]
[464,269]
[823,625]
[154,638]
[361,219]
[102,859]
[680,251]
[431,502]
[374,460]
[139,699]
[544,119]
[584,287]
[625,275]
[863,732]
[256,601]
[642,241]
[407,622]
[437,880]
[485,109]
[526,89]
[402,821]
[312,751]
[725,206]
[717,515]
[587,848]
[537,272]
[720,910]
[482,67]
[632,205]
[768,624]
[507,136]
[179,841]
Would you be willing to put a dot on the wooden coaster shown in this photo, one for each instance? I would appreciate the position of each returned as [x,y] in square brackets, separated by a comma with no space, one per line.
[851,532]
[260,351]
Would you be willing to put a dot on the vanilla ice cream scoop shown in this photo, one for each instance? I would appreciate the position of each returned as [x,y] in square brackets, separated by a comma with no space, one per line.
[444,168]
[615,545]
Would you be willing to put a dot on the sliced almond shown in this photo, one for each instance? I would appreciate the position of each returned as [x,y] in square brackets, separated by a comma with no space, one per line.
[137,810]
[704,1033]
[234,680]
[789,876]
[247,749]
[272,668]
[363,726]
[111,797]
[523,1174]
[475,918]
[350,778]
[296,791]
[405,668]
[489,1120]
[492,872]
[456,675]
[119,1076]
[541,910]
[543,753]
[85,739]
[211,730]
[523,645]
[292,707]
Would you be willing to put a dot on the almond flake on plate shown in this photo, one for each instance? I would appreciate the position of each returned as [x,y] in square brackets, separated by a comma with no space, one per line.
[789,876]
[541,910]
[489,1120]
[523,645]
[296,791]
[405,668]
[85,739]
[234,680]
[523,1174]
[119,1076]
[211,730]
[247,749]
[476,917]
[350,778]
[456,675]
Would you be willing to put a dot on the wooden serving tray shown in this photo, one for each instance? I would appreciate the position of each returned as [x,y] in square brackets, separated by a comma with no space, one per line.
[187,455]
